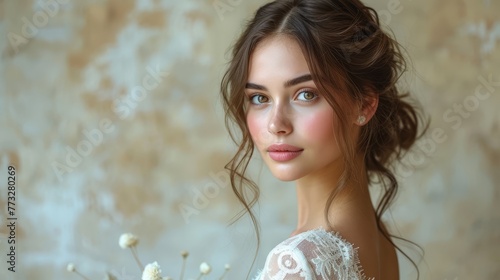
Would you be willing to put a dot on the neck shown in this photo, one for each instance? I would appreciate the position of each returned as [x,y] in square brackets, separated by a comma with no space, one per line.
[314,190]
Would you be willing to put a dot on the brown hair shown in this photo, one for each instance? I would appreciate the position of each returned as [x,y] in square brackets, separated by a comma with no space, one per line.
[349,54]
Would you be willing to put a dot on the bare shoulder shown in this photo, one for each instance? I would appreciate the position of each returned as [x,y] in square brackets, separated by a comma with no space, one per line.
[376,254]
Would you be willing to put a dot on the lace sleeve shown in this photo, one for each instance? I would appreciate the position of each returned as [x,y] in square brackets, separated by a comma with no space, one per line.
[313,255]
[287,263]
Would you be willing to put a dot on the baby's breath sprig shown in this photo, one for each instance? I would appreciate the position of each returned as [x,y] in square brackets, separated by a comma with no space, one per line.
[72,268]
[184,255]
[205,269]
[227,267]
[128,240]
[151,271]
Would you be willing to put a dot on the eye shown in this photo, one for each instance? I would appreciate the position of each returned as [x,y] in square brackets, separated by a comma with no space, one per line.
[307,96]
[258,99]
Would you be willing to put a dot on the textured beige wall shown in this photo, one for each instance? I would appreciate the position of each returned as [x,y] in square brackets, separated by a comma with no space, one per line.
[140,78]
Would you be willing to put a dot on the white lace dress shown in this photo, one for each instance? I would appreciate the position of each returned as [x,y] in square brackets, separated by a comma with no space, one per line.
[313,255]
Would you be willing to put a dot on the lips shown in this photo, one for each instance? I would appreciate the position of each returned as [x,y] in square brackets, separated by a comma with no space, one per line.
[283,148]
[283,152]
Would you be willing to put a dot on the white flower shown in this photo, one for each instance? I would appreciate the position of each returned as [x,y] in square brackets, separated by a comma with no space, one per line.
[227,266]
[70,267]
[205,268]
[128,240]
[152,272]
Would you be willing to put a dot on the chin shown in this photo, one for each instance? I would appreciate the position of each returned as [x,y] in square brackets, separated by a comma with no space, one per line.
[285,175]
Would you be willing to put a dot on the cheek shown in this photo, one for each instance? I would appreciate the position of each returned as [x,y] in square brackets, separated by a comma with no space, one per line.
[319,126]
[255,127]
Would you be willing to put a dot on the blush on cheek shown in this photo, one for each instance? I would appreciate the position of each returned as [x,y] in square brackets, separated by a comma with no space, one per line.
[253,127]
[319,125]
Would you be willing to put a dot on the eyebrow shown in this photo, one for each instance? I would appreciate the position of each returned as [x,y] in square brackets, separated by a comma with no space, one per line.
[292,82]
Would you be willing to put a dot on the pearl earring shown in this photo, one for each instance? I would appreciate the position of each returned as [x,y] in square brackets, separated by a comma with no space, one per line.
[361,120]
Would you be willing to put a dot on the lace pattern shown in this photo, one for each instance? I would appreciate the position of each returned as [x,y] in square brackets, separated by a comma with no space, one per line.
[313,255]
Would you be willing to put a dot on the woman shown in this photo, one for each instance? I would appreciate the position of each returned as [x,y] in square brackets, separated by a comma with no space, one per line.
[312,86]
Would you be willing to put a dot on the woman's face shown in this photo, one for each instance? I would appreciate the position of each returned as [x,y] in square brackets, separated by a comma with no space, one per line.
[284,108]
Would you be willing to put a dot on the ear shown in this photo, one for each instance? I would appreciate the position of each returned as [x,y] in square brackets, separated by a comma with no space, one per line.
[367,108]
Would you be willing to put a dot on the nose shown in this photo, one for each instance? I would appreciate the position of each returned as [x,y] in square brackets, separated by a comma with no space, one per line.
[280,121]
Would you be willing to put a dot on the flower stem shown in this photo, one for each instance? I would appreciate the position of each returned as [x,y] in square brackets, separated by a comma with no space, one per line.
[183,268]
[200,276]
[134,253]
